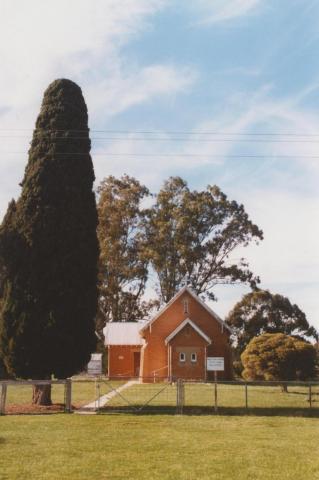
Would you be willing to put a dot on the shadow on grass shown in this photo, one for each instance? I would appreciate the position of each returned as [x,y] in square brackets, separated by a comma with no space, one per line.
[30,409]
[231,411]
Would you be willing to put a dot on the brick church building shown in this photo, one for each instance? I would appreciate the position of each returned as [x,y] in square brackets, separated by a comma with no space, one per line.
[180,341]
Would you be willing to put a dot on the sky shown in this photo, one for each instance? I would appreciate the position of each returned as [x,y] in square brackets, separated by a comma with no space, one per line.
[218,92]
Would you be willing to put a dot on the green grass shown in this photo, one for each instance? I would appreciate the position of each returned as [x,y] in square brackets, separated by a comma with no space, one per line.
[158,447]
[155,395]
[161,398]
[257,396]
[230,398]
[83,392]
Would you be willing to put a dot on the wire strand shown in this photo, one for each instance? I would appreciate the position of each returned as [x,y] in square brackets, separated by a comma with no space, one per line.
[129,154]
[156,139]
[168,132]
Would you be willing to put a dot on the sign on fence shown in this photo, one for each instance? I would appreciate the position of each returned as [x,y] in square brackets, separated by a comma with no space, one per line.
[95,364]
[215,364]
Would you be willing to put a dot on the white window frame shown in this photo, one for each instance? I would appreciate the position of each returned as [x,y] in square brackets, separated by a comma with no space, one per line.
[182,357]
[194,357]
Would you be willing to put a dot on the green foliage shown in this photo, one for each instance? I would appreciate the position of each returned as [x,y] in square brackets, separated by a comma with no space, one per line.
[191,235]
[122,267]
[48,246]
[263,312]
[276,356]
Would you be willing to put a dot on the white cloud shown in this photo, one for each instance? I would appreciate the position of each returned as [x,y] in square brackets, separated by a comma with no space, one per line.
[280,195]
[84,41]
[39,40]
[139,86]
[241,114]
[217,11]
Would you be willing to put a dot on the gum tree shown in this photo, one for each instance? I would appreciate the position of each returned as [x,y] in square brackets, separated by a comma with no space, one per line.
[123,270]
[261,312]
[191,236]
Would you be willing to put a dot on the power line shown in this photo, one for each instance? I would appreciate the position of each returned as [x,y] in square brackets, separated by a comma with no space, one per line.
[163,132]
[129,154]
[157,139]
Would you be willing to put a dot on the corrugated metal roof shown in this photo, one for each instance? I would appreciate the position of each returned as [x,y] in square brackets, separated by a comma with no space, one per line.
[123,333]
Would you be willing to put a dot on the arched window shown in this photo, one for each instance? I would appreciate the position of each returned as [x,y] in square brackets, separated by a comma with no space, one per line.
[194,357]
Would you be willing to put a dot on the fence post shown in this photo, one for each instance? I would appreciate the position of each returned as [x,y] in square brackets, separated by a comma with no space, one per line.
[183,395]
[180,396]
[310,396]
[246,395]
[3,398]
[98,395]
[215,392]
[68,395]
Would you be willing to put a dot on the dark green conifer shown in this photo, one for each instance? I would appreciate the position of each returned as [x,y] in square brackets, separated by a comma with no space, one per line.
[48,247]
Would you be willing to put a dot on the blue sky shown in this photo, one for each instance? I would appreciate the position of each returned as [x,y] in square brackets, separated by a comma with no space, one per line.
[230,67]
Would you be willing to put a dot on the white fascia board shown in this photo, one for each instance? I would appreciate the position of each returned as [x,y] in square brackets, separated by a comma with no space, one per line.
[209,310]
[180,327]
[162,310]
[196,297]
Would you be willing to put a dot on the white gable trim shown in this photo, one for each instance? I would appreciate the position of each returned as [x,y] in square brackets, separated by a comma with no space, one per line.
[180,327]
[196,297]
[209,310]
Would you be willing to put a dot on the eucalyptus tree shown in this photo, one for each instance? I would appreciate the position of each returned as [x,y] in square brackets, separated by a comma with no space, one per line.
[191,237]
[123,268]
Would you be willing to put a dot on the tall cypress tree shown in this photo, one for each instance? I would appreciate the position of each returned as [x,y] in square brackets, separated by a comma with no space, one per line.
[49,248]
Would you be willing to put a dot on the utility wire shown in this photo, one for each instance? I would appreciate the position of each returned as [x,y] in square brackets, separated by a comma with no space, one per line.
[156,139]
[164,132]
[128,154]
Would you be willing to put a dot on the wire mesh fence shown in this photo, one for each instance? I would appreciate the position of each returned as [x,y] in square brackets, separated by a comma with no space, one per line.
[18,397]
[272,398]
[143,395]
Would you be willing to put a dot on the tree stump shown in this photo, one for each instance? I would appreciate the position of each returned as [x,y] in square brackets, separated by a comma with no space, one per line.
[41,395]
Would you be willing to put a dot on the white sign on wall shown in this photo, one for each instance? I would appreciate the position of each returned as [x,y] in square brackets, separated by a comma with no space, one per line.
[95,364]
[215,364]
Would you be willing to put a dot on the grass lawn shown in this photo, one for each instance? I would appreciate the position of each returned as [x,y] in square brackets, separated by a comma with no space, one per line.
[231,398]
[83,392]
[161,398]
[159,447]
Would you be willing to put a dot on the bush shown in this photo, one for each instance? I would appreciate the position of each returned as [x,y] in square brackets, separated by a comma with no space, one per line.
[278,357]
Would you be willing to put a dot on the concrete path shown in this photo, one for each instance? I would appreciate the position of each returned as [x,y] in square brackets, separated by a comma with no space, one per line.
[91,408]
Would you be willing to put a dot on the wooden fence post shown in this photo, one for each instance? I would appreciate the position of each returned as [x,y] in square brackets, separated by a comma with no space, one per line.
[246,395]
[68,395]
[180,396]
[215,392]
[310,396]
[3,398]
[98,395]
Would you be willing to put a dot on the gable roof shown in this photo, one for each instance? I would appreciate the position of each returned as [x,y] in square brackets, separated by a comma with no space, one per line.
[123,333]
[180,327]
[196,297]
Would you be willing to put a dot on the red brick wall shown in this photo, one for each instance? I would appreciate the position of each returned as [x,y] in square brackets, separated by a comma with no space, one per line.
[121,360]
[188,341]
[156,352]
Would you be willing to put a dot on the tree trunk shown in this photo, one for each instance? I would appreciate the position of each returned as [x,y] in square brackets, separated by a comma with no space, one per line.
[284,388]
[41,395]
